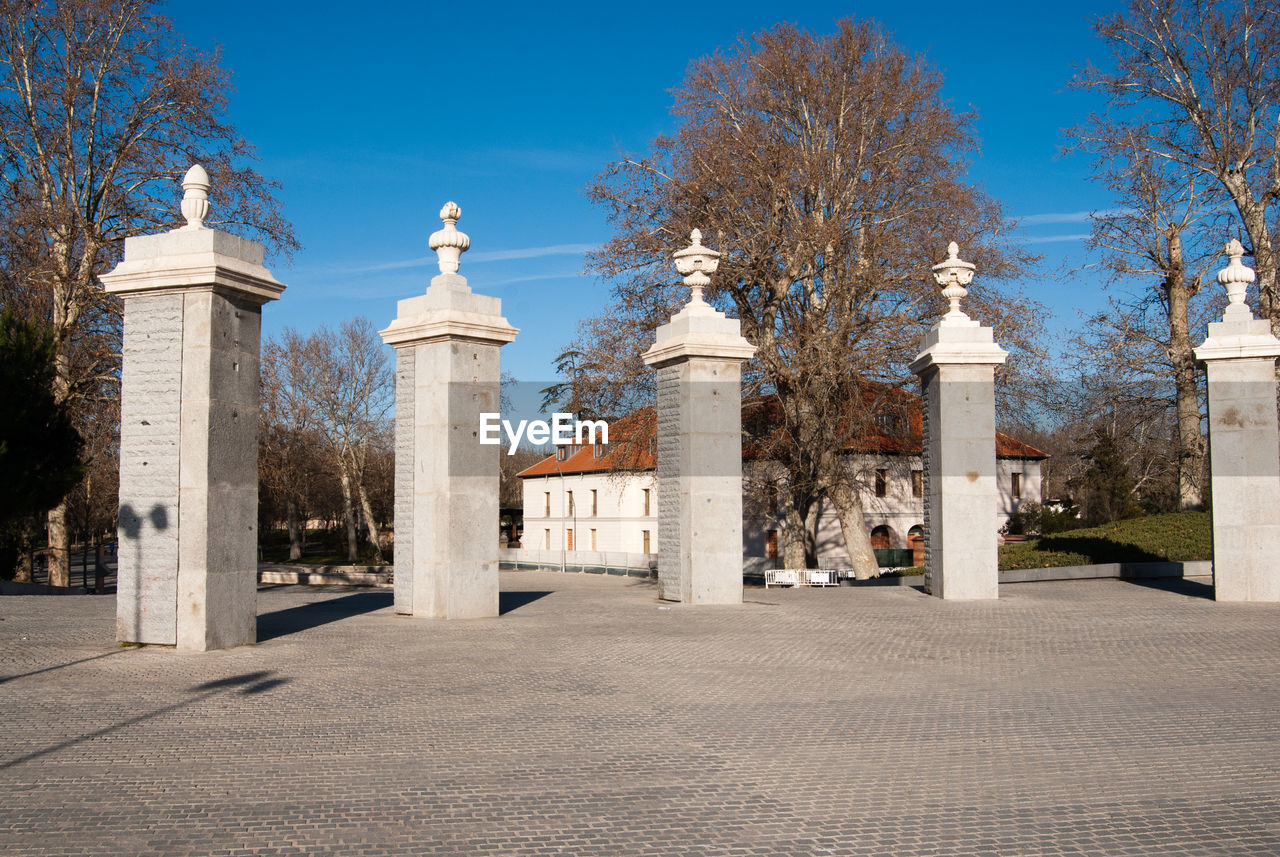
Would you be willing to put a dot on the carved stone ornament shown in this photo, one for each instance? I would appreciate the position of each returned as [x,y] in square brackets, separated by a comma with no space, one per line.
[954,274]
[1236,277]
[448,242]
[195,197]
[695,262]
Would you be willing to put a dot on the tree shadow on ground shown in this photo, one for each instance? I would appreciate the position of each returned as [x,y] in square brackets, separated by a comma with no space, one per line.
[1176,585]
[508,601]
[292,620]
[1098,550]
[246,684]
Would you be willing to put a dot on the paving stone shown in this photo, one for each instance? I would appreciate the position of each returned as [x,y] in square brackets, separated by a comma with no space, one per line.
[1072,718]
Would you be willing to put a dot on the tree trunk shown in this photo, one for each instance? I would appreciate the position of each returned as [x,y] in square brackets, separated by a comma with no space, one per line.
[793,534]
[348,514]
[59,546]
[370,527]
[1186,392]
[857,540]
[295,543]
[811,534]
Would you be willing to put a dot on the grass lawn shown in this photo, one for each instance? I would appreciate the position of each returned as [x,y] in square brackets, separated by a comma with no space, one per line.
[1180,536]
[323,548]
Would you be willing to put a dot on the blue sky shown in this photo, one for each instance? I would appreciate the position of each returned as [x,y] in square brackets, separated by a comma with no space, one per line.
[373,116]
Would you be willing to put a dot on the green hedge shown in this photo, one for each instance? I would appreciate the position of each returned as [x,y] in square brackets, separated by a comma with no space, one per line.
[1180,536]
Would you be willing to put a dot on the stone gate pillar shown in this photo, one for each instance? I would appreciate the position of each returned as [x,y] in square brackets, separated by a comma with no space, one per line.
[447,375]
[188,550]
[956,366]
[1239,359]
[698,356]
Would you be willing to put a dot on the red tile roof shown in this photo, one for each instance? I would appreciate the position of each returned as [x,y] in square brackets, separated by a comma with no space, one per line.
[630,440]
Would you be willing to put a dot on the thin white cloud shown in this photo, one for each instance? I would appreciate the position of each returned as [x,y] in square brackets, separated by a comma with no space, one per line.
[529,253]
[1054,239]
[478,258]
[1065,217]
[572,276]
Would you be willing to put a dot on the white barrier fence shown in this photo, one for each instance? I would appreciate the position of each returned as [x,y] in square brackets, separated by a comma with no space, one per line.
[801,577]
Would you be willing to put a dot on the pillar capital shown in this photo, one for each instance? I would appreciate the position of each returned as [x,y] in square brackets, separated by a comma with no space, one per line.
[956,339]
[449,309]
[698,329]
[194,257]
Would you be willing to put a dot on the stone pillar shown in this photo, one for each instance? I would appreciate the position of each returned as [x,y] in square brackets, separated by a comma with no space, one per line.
[956,366]
[1239,358]
[447,375]
[698,356]
[188,554]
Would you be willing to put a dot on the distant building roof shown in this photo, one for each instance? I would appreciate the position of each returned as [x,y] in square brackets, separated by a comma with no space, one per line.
[896,430]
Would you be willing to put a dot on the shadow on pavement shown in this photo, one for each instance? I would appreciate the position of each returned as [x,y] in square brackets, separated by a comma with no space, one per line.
[508,601]
[6,678]
[1176,585]
[247,683]
[281,623]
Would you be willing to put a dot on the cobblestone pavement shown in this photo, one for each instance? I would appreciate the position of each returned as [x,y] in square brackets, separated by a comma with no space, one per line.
[1085,717]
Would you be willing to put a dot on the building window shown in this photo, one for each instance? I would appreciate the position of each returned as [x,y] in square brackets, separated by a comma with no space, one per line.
[547,509]
[646,504]
[571,511]
[882,483]
[568,539]
[890,424]
[595,509]
[645,536]
[1017,486]
[546,540]
[771,498]
[598,450]
[562,453]
[593,540]
[771,544]
[917,483]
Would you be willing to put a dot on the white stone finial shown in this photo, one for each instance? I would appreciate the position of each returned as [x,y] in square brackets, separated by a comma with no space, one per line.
[954,275]
[449,243]
[1236,277]
[195,197]
[695,262]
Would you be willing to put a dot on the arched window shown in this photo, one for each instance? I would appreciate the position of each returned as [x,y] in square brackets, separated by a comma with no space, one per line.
[915,541]
[881,538]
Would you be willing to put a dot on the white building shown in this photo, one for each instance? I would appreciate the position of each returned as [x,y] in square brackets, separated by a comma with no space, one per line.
[588,502]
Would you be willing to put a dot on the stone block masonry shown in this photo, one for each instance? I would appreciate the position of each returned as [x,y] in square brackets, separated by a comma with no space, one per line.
[698,356]
[956,366]
[189,432]
[447,375]
[1239,357]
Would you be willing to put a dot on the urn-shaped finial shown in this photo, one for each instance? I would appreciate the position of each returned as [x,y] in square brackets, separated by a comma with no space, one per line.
[448,242]
[1236,277]
[195,197]
[695,262]
[954,275]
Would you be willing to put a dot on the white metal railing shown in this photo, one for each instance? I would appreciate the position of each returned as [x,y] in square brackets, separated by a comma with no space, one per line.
[800,577]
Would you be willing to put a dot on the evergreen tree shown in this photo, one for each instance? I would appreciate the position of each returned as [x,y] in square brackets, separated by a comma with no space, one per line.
[39,446]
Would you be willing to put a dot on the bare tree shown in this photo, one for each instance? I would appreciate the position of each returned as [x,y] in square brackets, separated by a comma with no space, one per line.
[829,172]
[1196,84]
[102,109]
[349,389]
[286,448]
[1159,253]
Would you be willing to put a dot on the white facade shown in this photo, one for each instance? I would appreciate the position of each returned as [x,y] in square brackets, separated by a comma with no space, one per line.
[608,510]
[596,512]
